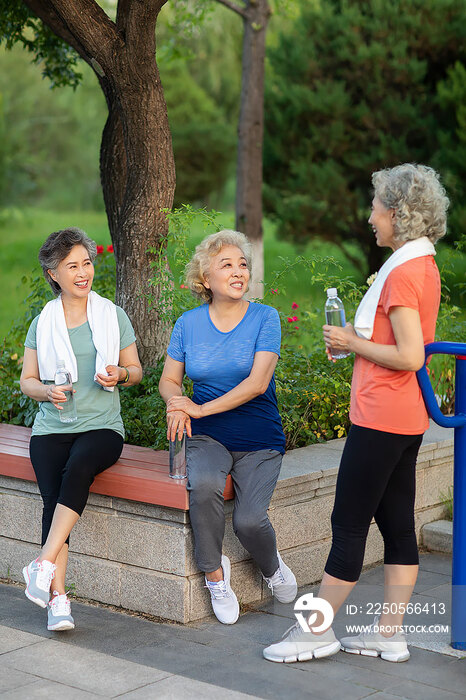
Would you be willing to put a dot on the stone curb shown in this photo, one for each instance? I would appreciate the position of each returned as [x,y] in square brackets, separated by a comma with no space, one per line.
[438,536]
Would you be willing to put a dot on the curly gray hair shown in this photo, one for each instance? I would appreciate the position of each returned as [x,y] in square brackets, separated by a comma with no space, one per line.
[56,248]
[418,198]
[198,266]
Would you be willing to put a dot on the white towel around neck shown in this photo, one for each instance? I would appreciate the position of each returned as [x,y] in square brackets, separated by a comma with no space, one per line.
[365,315]
[53,340]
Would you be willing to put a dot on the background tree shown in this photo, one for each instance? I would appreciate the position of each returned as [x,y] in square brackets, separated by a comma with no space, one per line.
[51,138]
[49,150]
[203,139]
[450,157]
[353,88]
[136,158]
[255,14]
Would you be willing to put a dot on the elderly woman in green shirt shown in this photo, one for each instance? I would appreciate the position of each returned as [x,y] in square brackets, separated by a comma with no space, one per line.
[98,343]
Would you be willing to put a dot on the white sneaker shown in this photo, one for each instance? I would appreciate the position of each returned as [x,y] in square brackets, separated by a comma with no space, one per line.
[224,601]
[38,576]
[297,645]
[59,613]
[372,643]
[283,583]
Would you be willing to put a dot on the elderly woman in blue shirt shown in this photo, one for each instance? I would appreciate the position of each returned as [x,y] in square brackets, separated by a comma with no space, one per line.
[229,348]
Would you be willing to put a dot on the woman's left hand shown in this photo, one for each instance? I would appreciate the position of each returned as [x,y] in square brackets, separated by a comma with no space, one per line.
[115,375]
[338,338]
[182,403]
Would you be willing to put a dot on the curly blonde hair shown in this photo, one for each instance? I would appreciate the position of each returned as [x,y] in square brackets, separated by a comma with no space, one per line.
[418,198]
[198,266]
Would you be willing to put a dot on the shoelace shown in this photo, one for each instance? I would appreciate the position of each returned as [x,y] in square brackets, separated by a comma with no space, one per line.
[275,580]
[60,605]
[218,589]
[45,574]
[370,631]
[293,631]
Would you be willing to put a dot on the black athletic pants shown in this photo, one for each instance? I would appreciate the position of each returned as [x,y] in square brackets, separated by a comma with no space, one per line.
[376,479]
[66,464]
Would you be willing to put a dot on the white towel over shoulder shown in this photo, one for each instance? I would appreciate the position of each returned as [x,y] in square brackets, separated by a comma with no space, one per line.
[365,315]
[53,340]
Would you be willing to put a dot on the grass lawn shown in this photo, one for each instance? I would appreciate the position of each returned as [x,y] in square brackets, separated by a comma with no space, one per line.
[21,235]
[23,231]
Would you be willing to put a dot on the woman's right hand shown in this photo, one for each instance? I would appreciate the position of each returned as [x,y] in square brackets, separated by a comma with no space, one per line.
[56,396]
[177,421]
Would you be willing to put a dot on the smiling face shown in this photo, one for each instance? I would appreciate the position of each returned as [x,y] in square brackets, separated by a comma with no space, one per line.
[75,273]
[382,221]
[228,274]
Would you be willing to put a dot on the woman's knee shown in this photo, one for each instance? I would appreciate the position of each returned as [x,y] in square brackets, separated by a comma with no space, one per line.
[248,524]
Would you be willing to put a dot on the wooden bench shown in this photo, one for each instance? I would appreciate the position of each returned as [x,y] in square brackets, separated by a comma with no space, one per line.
[141,474]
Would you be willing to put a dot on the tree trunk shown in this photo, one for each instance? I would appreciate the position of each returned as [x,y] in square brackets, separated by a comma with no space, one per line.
[137,166]
[138,180]
[255,16]
[251,137]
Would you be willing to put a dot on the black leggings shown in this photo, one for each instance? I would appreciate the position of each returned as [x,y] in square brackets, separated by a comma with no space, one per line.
[376,479]
[66,464]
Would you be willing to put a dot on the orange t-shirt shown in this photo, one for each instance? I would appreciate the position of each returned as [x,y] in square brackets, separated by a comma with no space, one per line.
[387,399]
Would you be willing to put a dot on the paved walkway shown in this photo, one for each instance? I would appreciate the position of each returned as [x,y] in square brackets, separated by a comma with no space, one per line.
[112,654]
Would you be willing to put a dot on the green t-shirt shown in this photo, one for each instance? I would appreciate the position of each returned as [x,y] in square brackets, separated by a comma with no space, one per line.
[96,408]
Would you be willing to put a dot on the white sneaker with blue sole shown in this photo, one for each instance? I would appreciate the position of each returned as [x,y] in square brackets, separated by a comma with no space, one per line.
[59,613]
[38,576]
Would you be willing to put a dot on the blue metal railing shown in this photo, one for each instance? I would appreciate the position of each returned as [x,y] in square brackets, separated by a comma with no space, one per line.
[458,422]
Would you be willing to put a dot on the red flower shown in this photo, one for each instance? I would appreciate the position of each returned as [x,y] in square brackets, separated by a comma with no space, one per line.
[297,328]
[290,320]
[294,305]
[110,249]
[294,318]
[183,286]
[100,249]
[274,291]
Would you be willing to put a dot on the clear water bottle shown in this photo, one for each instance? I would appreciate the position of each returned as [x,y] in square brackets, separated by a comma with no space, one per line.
[177,457]
[335,316]
[63,382]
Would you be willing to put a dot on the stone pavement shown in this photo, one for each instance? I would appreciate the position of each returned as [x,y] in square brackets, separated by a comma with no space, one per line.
[111,654]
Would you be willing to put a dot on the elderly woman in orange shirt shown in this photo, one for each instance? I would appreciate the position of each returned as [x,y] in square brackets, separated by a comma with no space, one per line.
[376,478]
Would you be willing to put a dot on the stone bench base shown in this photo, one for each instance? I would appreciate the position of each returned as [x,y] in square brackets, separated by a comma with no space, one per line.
[140,556]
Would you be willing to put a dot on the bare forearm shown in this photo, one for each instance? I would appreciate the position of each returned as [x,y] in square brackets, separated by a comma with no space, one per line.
[168,388]
[34,388]
[390,356]
[245,391]
[135,375]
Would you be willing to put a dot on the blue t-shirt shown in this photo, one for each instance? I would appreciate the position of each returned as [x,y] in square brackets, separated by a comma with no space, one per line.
[217,362]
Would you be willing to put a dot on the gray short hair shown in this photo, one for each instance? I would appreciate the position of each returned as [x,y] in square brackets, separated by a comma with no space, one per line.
[56,248]
[418,198]
[199,264]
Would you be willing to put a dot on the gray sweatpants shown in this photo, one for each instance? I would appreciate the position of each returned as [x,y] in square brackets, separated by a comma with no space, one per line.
[254,476]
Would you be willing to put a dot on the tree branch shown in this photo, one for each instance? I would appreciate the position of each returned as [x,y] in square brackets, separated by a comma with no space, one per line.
[136,19]
[45,12]
[81,23]
[123,10]
[233,6]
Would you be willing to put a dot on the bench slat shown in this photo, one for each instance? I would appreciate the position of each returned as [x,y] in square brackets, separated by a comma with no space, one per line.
[141,474]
